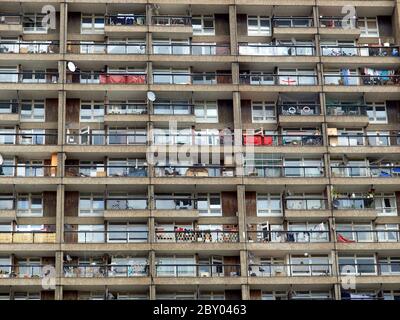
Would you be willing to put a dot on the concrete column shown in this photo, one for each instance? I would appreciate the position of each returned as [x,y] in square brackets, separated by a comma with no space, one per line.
[152,271]
[61,117]
[245,292]
[60,213]
[243,263]
[233,29]
[63,27]
[149,72]
[58,294]
[235,73]
[396,22]
[152,292]
[241,213]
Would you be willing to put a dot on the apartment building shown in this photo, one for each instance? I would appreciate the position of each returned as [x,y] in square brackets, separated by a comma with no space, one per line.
[304,206]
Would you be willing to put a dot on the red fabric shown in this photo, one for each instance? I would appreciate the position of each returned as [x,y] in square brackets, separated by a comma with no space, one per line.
[340,238]
[103,78]
[135,79]
[252,140]
[267,141]
[116,79]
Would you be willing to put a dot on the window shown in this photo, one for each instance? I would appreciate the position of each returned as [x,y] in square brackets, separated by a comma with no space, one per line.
[91,233]
[32,110]
[91,204]
[211,295]
[389,265]
[171,76]
[368,27]
[29,267]
[8,74]
[269,205]
[32,23]
[312,265]
[258,26]
[5,266]
[8,168]
[8,106]
[388,233]
[311,295]
[308,232]
[126,168]
[92,111]
[126,46]
[376,112]
[176,266]
[206,111]
[127,232]
[303,167]
[290,77]
[171,46]
[386,205]
[126,201]
[92,23]
[176,107]
[354,232]
[30,205]
[34,76]
[209,204]
[27,296]
[203,24]
[274,295]
[32,136]
[263,111]
[30,168]
[126,136]
[358,265]
[6,201]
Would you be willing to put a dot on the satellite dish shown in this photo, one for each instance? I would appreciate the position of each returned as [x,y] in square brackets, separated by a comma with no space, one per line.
[151,96]
[1,160]
[71,66]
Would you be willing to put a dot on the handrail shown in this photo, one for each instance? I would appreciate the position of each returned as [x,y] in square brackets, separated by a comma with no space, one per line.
[104,236]
[367,235]
[368,80]
[278,79]
[197,270]
[289,236]
[361,269]
[283,171]
[18,77]
[23,270]
[290,269]
[189,235]
[366,171]
[105,270]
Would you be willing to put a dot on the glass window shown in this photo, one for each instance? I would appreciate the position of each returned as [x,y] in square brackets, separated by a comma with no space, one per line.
[206,111]
[269,205]
[263,111]
[32,110]
[258,26]
[209,204]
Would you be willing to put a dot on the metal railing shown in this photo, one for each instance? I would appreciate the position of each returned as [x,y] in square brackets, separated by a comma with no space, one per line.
[82,47]
[29,77]
[105,270]
[10,19]
[284,171]
[278,79]
[290,270]
[169,20]
[201,78]
[28,138]
[193,139]
[375,140]
[306,204]
[292,22]
[125,20]
[370,269]
[75,236]
[125,108]
[106,139]
[23,170]
[174,203]
[191,49]
[283,140]
[367,80]
[178,109]
[129,203]
[276,50]
[337,22]
[24,271]
[194,171]
[203,236]
[365,51]
[346,110]
[105,171]
[7,203]
[353,203]
[299,236]
[27,236]
[28,47]
[99,77]
[197,270]
[347,236]
[299,109]
[9,107]
[366,171]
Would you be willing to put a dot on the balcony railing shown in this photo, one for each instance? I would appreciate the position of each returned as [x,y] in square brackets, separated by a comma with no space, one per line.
[107,78]
[27,237]
[284,171]
[200,78]
[290,270]
[366,171]
[283,140]
[10,19]
[106,48]
[165,20]
[178,109]
[24,170]
[276,50]
[197,270]
[28,77]
[194,139]
[270,79]
[192,49]
[370,269]
[75,236]
[292,22]
[203,236]
[129,203]
[7,203]
[376,140]
[23,271]
[125,108]
[194,171]
[106,270]
[367,80]
[346,110]
[9,107]
[306,204]
[100,139]
[105,171]
[337,22]
[299,109]
[299,236]
[174,203]
[28,138]
[353,203]
[364,51]
[125,20]
[351,236]
[28,47]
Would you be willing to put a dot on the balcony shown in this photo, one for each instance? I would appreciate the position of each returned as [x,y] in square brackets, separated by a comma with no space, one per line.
[177,207]
[293,26]
[351,115]
[270,79]
[332,27]
[363,80]
[368,270]
[31,139]
[198,78]
[204,171]
[194,236]
[114,171]
[298,236]
[358,208]
[10,25]
[197,270]
[126,113]
[365,171]
[99,237]
[111,48]
[305,114]
[178,25]
[283,140]
[104,139]
[125,24]
[7,209]
[384,140]
[192,49]
[24,170]
[290,270]
[9,112]
[105,270]
[23,271]
[360,51]
[192,139]
[97,78]
[296,208]
[26,78]
[273,50]
[279,171]
[374,236]
[28,47]
[36,237]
